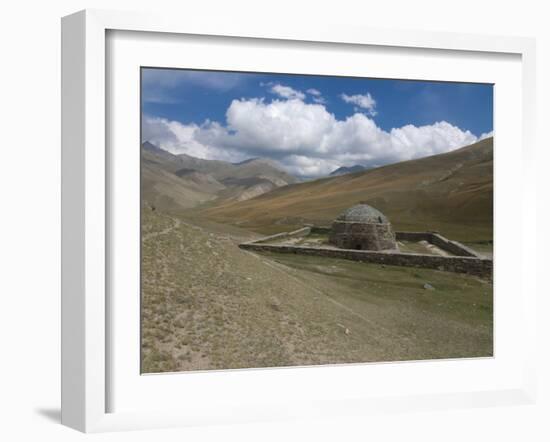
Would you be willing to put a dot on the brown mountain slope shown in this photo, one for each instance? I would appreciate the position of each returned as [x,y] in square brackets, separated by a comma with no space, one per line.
[451,193]
[173,182]
[164,190]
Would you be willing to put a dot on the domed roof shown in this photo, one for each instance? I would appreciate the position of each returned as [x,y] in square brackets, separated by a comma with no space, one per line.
[362,213]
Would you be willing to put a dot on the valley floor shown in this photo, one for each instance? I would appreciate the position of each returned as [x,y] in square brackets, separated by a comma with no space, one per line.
[206,304]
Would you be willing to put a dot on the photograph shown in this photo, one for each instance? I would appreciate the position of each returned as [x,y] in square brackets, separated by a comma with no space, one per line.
[293,220]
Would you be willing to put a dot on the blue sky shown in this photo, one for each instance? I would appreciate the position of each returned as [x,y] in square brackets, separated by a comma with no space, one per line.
[310,124]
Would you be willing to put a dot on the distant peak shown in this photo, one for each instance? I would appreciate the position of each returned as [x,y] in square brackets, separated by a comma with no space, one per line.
[149,146]
[351,169]
[263,161]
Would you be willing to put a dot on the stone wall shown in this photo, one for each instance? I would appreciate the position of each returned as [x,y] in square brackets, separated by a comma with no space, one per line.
[320,230]
[454,247]
[477,266]
[295,233]
[436,239]
[413,236]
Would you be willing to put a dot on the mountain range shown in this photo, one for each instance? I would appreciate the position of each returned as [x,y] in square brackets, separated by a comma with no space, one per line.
[451,193]
[171,181]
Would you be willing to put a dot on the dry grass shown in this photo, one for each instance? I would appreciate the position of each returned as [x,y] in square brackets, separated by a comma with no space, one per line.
[206,304]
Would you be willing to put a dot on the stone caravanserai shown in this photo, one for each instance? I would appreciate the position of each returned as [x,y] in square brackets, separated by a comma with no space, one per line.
[362,227]
[363,233]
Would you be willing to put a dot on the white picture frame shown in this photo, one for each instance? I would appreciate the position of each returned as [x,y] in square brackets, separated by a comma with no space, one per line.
[86,204]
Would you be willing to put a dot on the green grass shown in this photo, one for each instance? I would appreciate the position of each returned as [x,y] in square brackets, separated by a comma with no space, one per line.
[398,295]
[485,248]
[456,296]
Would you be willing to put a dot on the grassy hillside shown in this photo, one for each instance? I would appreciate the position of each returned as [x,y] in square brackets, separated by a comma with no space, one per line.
[451,193]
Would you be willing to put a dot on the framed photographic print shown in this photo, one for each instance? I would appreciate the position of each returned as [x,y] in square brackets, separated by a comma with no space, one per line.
[270,223]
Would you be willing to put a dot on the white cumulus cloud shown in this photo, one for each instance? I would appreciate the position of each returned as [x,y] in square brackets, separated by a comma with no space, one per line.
[486,135]
[305,138]
[313,91]
[287,92]
[316,96]
[365,101]
[178,138]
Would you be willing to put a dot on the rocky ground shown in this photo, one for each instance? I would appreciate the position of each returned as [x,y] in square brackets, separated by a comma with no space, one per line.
[206,304]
